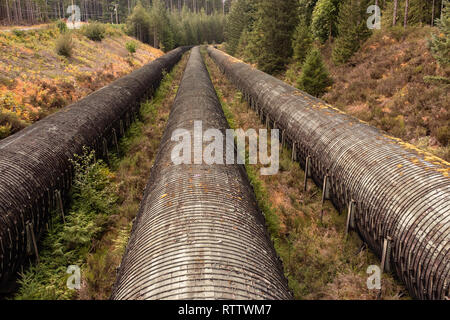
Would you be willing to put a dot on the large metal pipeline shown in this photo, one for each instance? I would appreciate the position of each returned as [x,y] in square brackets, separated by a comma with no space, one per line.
[35,169]
[199,233]
[397,196]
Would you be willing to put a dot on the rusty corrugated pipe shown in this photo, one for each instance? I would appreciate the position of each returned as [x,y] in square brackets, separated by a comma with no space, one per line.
[199,233]
[35,162]
[400,194]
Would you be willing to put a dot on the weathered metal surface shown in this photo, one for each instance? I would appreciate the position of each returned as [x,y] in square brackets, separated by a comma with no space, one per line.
[398,192]
[199,233]
[35,162]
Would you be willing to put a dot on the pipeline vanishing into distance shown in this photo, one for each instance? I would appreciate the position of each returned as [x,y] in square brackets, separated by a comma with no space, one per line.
[397,196]
[35,168]
[199,233]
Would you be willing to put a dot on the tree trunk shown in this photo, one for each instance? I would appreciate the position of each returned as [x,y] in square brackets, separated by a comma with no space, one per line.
[46,10]
[29,12]
[32,8]
[86,11]
[139,33]
[394,19]
[19,10]
[432,14]
[8,14]
[329,38]
[405,21]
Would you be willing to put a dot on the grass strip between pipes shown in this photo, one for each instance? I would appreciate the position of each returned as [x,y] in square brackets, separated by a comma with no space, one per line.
[319,262]
[104,202]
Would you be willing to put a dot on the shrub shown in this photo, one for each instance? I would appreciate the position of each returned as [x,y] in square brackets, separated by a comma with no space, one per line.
[114,30]
[94,31]
[6,81]
[443,135]
[93,200]
[62,26]
[314,78]
[436,80]
[131,46]
[64,45]
[10,123]
[5,130]
[19,33]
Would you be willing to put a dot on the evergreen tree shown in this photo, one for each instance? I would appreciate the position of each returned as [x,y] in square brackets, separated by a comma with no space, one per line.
[305,10]
[323,24]
[315,77]
[161,26]
[239,19]
[272,34]
[246,47]
[440,44]
[301,42]
[419,11]
[176,24]
[138,23]
[352,29]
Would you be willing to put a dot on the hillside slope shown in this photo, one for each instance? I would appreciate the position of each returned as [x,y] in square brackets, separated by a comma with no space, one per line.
[35,81]
[394,83]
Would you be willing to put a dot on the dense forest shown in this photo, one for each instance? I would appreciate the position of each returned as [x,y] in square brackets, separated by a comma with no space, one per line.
[114,11]
[167,29]
[253,32]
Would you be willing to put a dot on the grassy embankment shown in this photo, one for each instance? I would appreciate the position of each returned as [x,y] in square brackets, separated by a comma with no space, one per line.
[319,262]
[36,81]
[105,200]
